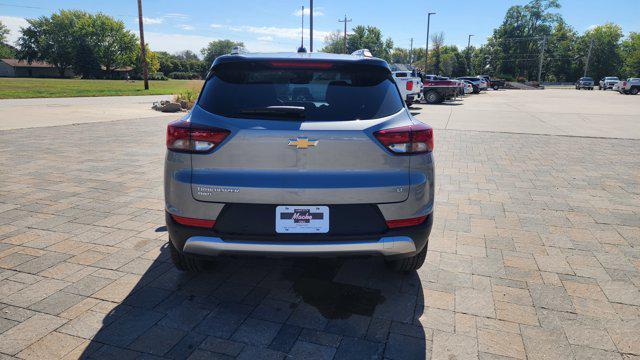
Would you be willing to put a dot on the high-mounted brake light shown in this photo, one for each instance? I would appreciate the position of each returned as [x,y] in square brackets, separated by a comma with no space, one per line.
[302,64]
[393,224]
[183,136]
[407,140]
[193,222]
[409,85]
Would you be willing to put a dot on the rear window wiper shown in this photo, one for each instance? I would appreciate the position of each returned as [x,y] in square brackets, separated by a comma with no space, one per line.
[278,111]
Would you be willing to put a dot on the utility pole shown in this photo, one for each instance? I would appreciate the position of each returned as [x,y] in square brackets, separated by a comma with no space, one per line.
[544,44]
[411,52]
[426,49]
[310,25]
[302,29]
[586,65]
[469,53]
[345,21]
[143,51]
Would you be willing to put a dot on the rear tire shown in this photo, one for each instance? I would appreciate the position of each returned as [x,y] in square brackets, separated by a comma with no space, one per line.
[433,97]
[634,91]
[496,87]
[184,262]
[409,264]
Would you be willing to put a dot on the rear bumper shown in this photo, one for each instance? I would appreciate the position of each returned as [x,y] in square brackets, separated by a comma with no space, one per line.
[396,243]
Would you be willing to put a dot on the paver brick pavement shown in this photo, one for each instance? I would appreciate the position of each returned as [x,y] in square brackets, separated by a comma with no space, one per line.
[534,254]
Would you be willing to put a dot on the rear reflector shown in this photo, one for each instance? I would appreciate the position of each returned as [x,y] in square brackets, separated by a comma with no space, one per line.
[194,222]
[393,224]
[183,136]
[407,140]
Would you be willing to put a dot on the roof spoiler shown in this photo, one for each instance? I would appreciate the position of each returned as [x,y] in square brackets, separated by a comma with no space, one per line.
[362,52]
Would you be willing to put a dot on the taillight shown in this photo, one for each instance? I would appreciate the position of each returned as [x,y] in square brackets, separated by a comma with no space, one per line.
[409,85]
[194,222]
[393,224]
[183,136]
[407,140]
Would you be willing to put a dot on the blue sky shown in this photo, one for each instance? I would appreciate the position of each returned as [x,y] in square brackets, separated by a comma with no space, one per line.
[275,25]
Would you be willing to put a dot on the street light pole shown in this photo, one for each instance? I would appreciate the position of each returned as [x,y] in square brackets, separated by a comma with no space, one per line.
[143,51]
[426,49]
[310,25]
[302,31]
[469,53]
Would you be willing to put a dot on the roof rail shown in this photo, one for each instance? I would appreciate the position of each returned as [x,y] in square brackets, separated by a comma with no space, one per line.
[362,52]
[238,50]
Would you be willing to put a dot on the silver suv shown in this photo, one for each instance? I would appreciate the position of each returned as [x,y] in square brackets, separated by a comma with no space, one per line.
[299,154]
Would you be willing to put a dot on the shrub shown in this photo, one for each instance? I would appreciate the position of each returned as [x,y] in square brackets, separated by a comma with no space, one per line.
[157,76]
[184,75]
[187,95]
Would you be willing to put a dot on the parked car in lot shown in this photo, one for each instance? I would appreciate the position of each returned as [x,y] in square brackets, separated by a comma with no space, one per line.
[608,82]
[476,83]
[630,86]
[299,154]
[494,84]
[616,87]
[437,89]
[468,89]
[410,87]
[584,83]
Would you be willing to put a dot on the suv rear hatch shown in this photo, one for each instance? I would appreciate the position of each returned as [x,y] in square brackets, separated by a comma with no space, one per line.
[301,132]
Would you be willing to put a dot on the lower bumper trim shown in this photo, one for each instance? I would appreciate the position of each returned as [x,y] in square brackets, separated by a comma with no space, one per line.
[387,246]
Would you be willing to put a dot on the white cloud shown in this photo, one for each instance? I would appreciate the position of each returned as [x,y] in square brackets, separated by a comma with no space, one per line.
[307,11]
[176,42]
[265,38]
[152,21]
[278,32]
[186,27]
[13,23]
[177,16]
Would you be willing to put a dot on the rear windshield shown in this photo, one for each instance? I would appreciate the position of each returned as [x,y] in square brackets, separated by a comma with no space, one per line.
[327,92]
[587,79]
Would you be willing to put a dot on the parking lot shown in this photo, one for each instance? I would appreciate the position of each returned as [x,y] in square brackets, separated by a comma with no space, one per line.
[535,251]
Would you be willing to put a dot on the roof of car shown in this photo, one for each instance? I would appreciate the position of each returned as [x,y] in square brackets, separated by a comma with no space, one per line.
[300,56]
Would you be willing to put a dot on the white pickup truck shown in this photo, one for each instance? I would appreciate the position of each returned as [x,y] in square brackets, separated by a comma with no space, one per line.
[410,86]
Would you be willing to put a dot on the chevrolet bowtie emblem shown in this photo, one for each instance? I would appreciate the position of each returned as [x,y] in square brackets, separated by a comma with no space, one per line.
[302,143]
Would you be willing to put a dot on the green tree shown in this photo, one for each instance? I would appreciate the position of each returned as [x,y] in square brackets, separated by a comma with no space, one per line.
[605,57]
[334,43]
[218,48]
[515,45]
[153,62]
[630,52]
[53,39]
[435,55]
[114,46]
[561,52]
[370,37]
[187,55]
[3,33]
[400,56]
[6,50]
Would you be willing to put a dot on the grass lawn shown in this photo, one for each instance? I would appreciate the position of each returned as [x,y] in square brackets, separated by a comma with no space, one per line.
[22,88]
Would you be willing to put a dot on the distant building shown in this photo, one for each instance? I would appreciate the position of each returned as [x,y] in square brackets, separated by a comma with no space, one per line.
[21,68]
[122,73]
